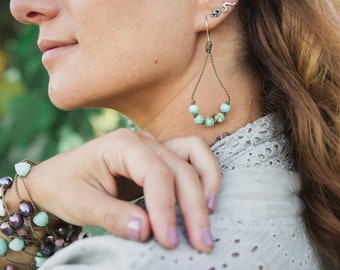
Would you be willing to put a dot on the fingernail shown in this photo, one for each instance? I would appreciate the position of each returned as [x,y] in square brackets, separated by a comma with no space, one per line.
[211,202]
[173,236]
[207,239]
[134,229]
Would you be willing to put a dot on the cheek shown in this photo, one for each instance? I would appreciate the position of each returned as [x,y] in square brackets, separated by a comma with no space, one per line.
[117,54]
[86,79]
[95,74]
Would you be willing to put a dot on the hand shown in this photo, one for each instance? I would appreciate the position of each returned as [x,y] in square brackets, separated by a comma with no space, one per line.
[81,188]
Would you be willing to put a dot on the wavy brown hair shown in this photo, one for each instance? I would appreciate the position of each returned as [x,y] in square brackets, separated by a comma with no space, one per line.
[294,47]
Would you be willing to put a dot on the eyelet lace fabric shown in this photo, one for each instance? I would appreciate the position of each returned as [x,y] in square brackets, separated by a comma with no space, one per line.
[257,224]
[257,145]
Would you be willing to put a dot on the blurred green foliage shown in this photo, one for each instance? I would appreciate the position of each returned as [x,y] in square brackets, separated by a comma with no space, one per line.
[30,126]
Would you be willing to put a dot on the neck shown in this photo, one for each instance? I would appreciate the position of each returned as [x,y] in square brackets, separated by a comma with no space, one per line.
[169,117]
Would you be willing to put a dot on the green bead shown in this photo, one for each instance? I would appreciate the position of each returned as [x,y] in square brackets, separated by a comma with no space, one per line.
[39,259]
[209,122]
[199,120]
[225,107]
[3,247]
[194,109]
[219,117]
[17,244]
[41,219]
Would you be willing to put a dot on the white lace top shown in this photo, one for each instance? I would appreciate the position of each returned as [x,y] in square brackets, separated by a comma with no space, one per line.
[257,224]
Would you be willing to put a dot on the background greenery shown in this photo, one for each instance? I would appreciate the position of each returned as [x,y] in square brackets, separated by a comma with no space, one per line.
[30,126]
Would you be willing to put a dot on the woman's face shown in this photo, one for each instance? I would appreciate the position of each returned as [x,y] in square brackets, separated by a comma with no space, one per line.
[99,51]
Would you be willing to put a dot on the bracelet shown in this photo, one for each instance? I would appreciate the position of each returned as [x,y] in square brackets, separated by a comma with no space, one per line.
[27,231]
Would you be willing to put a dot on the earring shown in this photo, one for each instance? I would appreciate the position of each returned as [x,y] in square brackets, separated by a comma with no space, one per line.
[217,12]
[225,106]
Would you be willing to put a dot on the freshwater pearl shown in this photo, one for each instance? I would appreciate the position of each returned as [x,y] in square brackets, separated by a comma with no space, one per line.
[10,267]
[16,221]
[74,237]
[47,249]
[6,229]
[62,230]
[59,242]
[6,182]
[22,232]
[25,209]
[2,210]
[50,239]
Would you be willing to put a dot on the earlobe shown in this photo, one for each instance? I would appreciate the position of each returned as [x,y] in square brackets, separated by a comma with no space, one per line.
[214,11]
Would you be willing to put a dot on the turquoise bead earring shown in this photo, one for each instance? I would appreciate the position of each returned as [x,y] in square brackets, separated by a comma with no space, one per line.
[225,106]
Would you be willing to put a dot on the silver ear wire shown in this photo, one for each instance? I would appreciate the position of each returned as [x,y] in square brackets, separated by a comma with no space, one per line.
[207,29]
[225,8]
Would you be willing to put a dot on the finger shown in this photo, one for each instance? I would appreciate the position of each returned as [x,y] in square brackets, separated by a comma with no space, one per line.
[124,219]
[145,167]
[190,197]
[160,199]
[196,151]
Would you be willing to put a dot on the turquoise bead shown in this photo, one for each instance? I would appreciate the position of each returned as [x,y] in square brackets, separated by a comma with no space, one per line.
[209,122]
[22,168]
[194,109]
[17,244]
[3,247]
[39,259]
[225,108]
[41,219]
[199,120]
[219,118]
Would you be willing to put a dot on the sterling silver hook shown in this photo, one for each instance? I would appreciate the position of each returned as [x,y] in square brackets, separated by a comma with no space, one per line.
[207,29]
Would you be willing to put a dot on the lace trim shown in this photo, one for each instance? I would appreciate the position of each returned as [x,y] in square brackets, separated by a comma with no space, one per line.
[260,144]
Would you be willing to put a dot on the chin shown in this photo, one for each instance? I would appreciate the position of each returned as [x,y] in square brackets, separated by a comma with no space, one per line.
[62,100]
[62,105]
[65,101]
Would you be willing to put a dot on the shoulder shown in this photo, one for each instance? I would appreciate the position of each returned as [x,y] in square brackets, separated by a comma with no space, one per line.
[234,249]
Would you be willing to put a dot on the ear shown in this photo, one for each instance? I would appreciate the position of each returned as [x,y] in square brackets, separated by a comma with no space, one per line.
[207,9]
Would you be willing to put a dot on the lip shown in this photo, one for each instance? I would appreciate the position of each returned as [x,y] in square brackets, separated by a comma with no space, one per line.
[46,45]
[51,48]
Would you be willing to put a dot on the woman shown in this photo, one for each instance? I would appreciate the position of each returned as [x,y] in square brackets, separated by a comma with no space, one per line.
[275,75]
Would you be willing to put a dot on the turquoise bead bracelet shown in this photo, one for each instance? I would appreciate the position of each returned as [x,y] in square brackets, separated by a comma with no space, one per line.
[209,121]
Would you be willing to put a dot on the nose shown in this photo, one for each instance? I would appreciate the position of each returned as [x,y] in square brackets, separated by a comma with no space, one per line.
[33,11]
